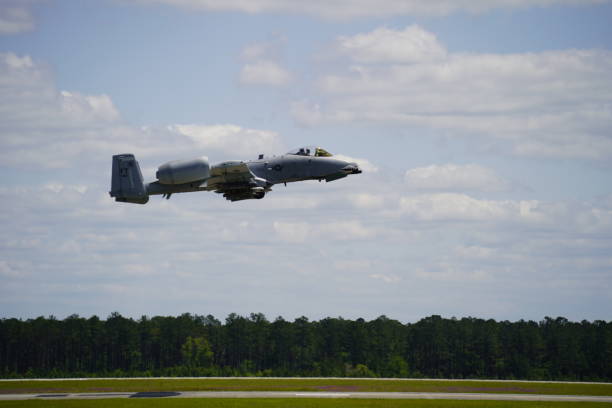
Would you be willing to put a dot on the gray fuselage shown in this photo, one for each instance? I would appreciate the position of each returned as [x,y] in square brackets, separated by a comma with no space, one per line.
[290,168]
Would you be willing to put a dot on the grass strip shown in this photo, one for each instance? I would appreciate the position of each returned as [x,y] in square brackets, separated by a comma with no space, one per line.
[301,384]
[293,403]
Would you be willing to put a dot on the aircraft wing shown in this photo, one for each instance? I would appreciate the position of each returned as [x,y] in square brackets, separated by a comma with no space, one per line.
[235,181]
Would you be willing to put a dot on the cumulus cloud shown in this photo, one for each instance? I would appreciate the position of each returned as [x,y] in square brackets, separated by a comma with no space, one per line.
[50,128]
[8,271]
[42,125]
[449,272]
[15,62]
[454,177]
[231,138]
[297,232]
[383,45]
[346,230]
[439,242]
[385,278]
[307,113]
[262,64]
[553,104]
[16,16]
[343,9]
[292,231]
[264,72]
[367,200]
[62,188]
[461,207]
[476,252]
[88,108]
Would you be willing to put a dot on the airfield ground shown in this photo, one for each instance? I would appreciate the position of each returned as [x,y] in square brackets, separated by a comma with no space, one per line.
[300,385]
[37,388]
[292,403]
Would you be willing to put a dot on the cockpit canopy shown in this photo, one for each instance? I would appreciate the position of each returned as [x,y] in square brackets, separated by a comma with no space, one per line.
[310,151]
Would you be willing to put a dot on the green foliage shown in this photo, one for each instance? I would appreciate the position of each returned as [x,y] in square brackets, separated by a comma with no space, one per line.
[396,368]
[196,352]
[194,345]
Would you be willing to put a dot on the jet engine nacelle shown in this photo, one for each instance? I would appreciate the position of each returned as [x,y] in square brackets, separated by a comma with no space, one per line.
[258,192]
[183,171]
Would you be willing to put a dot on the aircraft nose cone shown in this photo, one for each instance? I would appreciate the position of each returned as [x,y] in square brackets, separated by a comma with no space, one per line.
[351,168]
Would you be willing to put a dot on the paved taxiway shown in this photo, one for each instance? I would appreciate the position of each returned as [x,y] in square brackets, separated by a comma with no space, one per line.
[277,394]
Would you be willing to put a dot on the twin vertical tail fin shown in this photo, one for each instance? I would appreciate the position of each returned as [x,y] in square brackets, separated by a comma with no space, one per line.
[127,184]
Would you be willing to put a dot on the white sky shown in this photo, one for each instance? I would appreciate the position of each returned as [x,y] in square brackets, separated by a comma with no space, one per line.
[484,129]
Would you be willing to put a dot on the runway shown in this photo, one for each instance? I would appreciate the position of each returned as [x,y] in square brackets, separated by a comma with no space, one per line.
[285,394]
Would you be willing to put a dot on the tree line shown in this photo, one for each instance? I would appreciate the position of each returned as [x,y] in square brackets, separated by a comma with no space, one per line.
[194,345]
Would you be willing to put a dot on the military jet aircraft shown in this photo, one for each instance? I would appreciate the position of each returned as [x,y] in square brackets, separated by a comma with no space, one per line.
[236,180]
